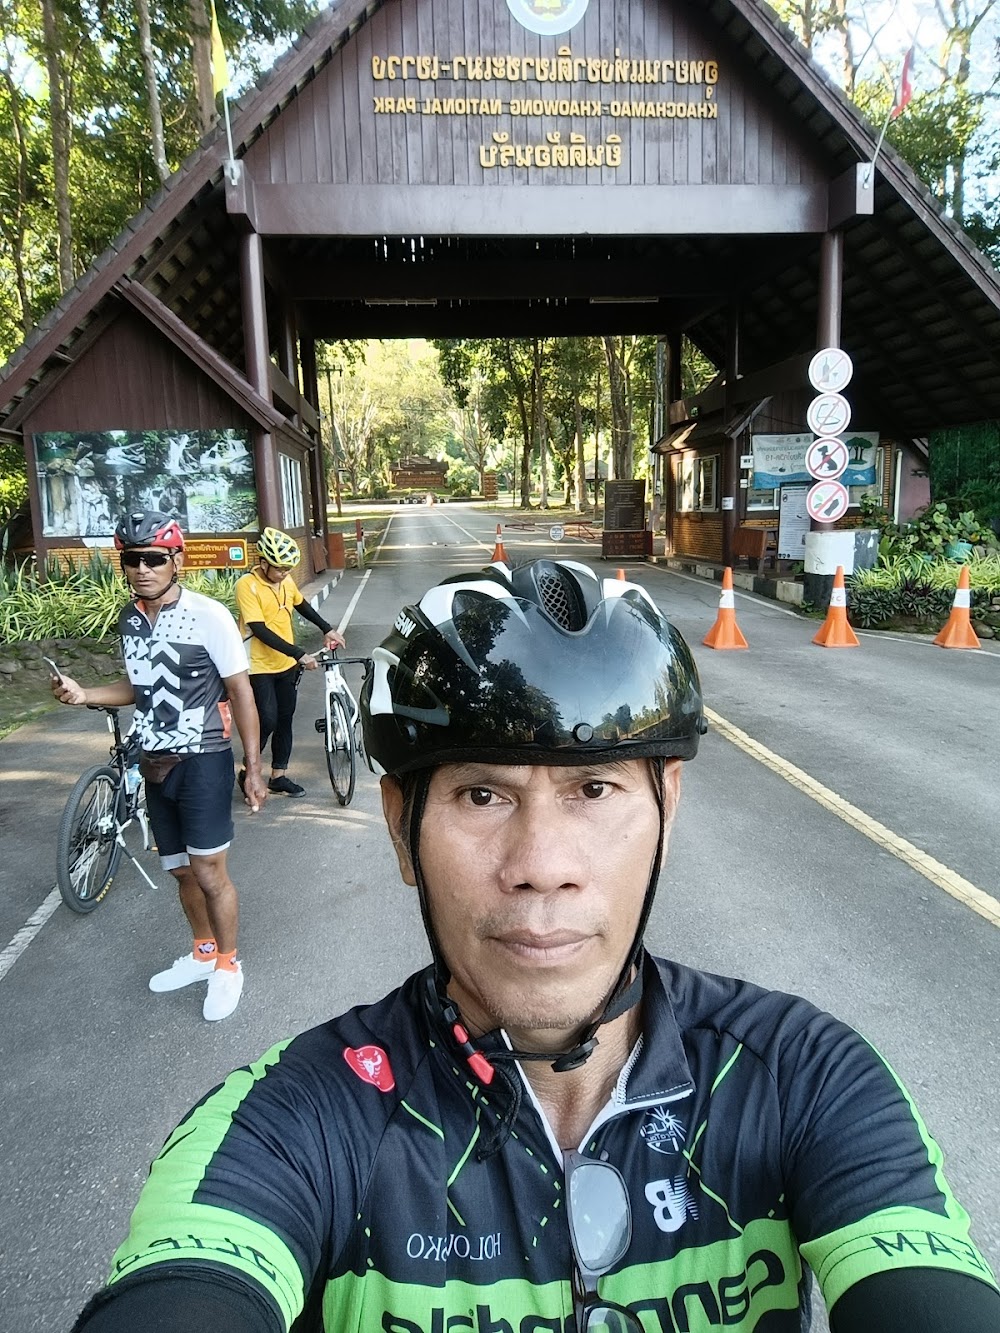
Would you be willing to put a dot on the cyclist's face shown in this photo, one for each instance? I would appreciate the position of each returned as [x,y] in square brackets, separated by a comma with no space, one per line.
[535,879]
[152,583]
[273,573]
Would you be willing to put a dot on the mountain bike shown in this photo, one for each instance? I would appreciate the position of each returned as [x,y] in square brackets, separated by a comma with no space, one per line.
[105,801]
[338,725]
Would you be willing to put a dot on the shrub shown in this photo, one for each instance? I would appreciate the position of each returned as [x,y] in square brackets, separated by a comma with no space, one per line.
[83,603]
[919,589]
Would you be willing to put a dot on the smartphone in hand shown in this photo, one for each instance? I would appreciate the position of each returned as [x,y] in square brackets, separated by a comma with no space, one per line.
[53,669]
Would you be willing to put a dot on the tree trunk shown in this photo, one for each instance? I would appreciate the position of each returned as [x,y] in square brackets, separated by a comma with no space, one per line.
[152,92]
[621,408]
[581,478]
[538,421]
[201,59]
[61,139]
[12,222]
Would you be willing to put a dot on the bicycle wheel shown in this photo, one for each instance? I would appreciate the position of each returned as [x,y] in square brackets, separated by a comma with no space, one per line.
[87,853]
[339,741]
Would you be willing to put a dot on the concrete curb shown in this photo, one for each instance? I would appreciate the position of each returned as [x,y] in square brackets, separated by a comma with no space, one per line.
[318,589]
[778,589]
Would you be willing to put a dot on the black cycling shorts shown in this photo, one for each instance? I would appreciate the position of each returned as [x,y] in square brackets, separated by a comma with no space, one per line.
[191,812]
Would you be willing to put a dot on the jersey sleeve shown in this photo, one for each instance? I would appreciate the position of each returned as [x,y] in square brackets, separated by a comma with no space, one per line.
[237,1187]
[247,601]
[293,591]
[223,642]
[866,1184]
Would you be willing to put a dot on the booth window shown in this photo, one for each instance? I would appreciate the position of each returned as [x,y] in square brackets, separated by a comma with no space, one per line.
[291,491]
[697,483]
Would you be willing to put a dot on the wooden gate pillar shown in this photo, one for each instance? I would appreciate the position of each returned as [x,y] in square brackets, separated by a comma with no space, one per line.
[317,459]
[269,506]
[730,450]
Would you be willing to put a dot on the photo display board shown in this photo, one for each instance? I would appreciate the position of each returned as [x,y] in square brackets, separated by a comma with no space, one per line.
[87,480]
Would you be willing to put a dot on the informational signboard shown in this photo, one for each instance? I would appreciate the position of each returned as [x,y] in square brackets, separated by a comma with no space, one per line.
[199,553]
[827,501]
[793,522]
[489,485]
[781,459]
[624,506]
[222,553]
[202,478]
[622,543]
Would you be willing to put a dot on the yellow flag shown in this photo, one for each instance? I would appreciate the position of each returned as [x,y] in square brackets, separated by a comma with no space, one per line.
[220,66]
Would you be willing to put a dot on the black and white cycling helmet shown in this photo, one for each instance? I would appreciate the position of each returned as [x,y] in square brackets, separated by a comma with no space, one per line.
[546,663]
[148,527]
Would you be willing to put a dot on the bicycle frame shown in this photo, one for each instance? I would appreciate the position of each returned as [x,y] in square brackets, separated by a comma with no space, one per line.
[120,754]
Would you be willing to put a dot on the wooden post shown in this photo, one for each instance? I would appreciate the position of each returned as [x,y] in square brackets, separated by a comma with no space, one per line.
[269,505]
[830,305]
[730,461]
[317,460]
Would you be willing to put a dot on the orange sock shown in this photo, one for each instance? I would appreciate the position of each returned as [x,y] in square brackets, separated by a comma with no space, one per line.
[204,950]
[226,962]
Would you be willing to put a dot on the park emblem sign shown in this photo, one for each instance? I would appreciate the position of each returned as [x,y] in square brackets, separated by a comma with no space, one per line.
[548,17]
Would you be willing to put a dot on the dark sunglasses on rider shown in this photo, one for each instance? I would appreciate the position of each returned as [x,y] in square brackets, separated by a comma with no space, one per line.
[151,559]
[600,1228]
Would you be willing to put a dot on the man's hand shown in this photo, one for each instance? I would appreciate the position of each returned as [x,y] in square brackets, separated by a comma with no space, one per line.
[254,789]
[67,691]
[331,639]
[308,661]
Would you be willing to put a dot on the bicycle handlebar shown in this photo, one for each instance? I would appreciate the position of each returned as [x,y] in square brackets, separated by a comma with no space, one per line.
[112,710]
[329,657]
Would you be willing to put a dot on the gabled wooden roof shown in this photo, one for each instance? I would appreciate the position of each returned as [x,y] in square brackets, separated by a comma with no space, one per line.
[921,305]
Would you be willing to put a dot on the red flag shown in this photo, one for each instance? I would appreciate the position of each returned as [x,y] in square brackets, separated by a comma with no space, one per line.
[905,86]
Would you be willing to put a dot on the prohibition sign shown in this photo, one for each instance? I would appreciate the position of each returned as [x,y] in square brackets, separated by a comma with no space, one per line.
[827,501]
[827,459]
[557,532]
[830,370]
[828,414]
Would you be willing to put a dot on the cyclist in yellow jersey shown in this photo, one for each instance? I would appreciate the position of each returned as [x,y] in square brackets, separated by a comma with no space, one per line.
[266,598]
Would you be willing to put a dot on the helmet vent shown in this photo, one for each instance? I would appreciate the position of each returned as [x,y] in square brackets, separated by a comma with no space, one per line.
[556,598]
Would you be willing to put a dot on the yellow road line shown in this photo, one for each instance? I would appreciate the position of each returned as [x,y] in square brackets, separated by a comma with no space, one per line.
[940,875]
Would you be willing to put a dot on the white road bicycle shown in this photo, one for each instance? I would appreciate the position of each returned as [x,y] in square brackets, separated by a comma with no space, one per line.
[339,724]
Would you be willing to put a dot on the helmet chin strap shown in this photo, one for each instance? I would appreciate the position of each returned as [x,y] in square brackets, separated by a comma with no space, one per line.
[624,995]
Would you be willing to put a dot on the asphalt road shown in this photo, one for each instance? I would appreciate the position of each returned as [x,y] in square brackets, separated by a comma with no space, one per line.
[764,880]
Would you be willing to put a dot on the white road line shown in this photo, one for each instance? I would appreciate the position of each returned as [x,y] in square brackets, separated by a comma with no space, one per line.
[942,876]
[28,932]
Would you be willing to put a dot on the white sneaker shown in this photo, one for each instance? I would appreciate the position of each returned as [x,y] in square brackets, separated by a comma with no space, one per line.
[182,972]
[224,991]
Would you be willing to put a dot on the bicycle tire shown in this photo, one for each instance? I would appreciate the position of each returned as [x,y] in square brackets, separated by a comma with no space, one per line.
[87,853]
[339,744]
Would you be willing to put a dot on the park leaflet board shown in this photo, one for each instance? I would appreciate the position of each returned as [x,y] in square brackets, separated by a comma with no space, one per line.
[88,479]
[624,520]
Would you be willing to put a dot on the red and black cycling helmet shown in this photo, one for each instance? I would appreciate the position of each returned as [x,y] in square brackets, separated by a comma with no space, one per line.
[546,663]
[149,527]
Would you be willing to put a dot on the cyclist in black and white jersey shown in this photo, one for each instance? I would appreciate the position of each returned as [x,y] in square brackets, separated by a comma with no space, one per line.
[187,676]
[547,1130]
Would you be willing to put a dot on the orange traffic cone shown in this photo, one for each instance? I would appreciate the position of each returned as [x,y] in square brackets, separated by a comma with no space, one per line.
[621,575]
[835,632]
[725,633]
[958,631]
[499,555]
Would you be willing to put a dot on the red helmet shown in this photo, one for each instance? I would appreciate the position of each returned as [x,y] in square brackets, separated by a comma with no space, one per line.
[149,528]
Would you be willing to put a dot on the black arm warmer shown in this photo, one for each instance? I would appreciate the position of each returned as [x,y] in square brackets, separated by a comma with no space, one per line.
[176,1301]
[307,613]
[260,631]
[917,1300]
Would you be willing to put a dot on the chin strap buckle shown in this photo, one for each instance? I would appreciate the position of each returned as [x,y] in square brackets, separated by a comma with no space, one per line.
[573,1059]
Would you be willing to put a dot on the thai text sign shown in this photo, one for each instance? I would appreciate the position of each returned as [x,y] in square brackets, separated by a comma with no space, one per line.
[779,459]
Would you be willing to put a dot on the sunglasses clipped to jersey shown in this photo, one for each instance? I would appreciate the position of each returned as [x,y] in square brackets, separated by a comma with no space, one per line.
[600,1227]
[151,559]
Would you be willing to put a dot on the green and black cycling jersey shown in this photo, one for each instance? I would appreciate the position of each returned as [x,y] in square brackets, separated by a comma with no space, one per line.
[335,1185]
